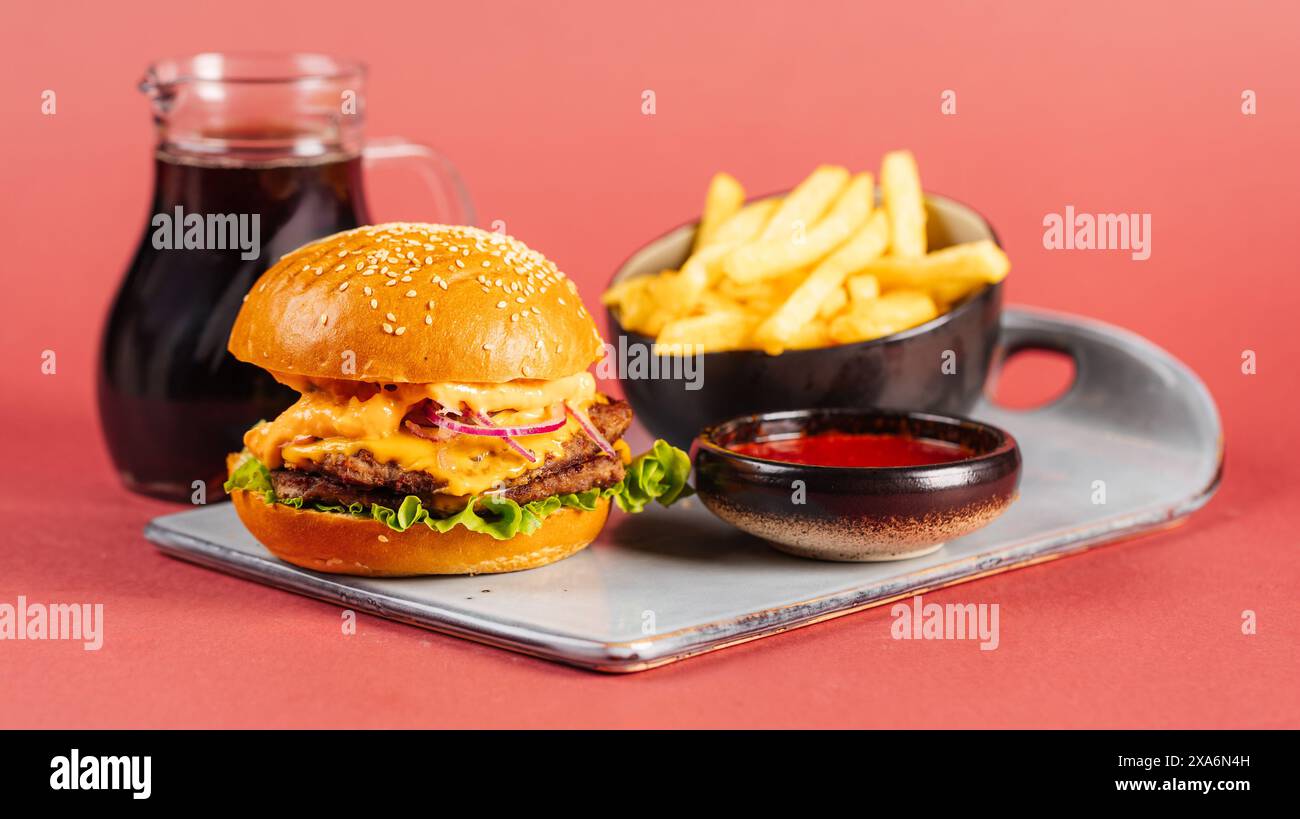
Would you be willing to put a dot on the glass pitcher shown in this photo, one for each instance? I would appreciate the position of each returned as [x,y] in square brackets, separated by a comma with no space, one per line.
[256,155]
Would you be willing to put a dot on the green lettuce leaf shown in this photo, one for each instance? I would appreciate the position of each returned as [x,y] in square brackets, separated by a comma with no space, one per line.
[251,476]
[659,474]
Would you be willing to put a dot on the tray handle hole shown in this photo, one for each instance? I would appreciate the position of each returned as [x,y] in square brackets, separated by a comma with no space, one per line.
[1031,379]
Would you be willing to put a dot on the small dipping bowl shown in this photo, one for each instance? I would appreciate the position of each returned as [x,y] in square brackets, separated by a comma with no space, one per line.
[856,513]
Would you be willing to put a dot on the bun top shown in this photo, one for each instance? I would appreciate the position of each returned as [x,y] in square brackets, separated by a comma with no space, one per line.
[416,303]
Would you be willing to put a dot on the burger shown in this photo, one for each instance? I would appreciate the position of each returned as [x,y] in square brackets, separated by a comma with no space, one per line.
[447,424]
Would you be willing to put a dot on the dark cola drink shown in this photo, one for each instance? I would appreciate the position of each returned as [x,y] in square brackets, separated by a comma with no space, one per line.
[257,154]
[172,400]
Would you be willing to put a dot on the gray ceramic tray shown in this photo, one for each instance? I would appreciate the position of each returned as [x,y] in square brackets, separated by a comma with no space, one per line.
[672,583]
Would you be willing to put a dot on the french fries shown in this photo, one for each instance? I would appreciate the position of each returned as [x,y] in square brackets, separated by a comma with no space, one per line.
[781,254]
[980,262]
[707,333]
[900,184]
[722,202]
[883,316]
[679,298]
[806,203]
[819,266]
[833,303]
[773,334]
[862,287]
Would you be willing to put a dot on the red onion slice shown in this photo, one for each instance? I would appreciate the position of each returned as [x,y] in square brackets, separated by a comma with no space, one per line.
[487,422]
[590,429]
[540,428]
[484,425]
[467,429]
[429,433]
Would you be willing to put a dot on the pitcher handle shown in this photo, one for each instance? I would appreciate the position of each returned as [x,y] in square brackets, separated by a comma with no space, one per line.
[442,178]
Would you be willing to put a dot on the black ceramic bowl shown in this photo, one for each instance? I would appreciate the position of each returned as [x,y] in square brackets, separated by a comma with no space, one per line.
[902,370]
[856,513]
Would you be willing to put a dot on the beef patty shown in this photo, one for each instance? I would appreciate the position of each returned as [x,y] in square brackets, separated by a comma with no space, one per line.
[361,479]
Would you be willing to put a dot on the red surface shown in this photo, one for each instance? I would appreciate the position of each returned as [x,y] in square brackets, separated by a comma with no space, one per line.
[1112,107]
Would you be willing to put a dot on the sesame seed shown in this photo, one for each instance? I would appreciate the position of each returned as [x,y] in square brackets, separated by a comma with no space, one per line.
[405,279]
[399,331]
[488,347]
[539,344]
[428,319]
[486,263]
[459,263]
[374,303]
[561,301]
[411,294]
[428,260]
[343,252]
[501,304]
[368,291]
[323,318]
[383,538]
[442,284]
[390,283]
[388,328]
[519,299]
[391,317]
[343,287]
[430,304]
[514,317]
[536,311]
[340,267]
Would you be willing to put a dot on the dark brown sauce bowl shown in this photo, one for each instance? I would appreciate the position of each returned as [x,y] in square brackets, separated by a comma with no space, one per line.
[856,513]
[900,370]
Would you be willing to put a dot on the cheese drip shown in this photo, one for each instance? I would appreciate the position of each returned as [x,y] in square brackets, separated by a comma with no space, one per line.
[325,420]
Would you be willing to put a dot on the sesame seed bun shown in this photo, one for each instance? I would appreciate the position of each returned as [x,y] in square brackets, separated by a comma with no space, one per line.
[340,544]
[416,303]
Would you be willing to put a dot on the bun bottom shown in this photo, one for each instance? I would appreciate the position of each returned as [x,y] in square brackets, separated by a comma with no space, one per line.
[339,544]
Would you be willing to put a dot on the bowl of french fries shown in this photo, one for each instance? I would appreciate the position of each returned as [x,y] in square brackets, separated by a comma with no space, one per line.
[839,293]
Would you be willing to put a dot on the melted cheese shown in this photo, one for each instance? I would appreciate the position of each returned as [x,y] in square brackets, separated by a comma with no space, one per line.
[520,394]
[523,394]
[324,422]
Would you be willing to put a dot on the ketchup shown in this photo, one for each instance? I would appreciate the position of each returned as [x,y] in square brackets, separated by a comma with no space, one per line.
[854,449]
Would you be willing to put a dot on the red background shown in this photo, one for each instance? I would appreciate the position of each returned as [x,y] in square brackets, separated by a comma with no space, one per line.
[1114,107]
